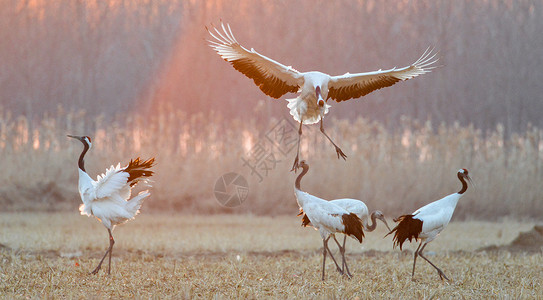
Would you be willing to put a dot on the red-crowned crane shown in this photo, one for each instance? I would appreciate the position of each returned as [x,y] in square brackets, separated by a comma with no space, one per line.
[427,222]
[315,88]
[107,198]
[359,208]
[326,217]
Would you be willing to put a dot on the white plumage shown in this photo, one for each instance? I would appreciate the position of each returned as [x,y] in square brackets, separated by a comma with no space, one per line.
[108,197]
[427,222]
[315,88]
[359,208]
[327,218]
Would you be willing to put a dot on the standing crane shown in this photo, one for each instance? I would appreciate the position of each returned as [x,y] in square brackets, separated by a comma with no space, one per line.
[314,88]
[359,208]
[427,222]
[327,218]
[107,198]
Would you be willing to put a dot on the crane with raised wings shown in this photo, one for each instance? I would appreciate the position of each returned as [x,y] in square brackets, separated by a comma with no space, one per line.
[314,88]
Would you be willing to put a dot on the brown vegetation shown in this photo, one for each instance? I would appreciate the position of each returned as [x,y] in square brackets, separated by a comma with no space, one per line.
[394,171]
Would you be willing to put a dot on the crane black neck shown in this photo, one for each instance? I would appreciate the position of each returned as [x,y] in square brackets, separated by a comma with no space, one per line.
[81,162]
[464,184]
[299,178]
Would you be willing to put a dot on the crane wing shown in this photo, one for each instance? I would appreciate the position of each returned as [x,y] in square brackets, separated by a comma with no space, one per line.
[349,86]
[113,181]
[273,78]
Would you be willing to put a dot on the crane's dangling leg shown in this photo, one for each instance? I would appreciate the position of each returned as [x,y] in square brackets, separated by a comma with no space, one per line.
[415,261]
[344,241]
[111,242]
[338,150]
[295,165]
[439,272]
[344,266]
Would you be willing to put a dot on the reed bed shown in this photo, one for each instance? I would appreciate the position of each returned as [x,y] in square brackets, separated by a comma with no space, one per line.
[391,170]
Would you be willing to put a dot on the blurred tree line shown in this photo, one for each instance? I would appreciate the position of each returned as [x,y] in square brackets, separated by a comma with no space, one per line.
[108,57]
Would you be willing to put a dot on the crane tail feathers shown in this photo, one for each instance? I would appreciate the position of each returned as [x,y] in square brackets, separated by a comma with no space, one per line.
[134,204]
[138,170]
[305,221]
[408,228]
[353,226]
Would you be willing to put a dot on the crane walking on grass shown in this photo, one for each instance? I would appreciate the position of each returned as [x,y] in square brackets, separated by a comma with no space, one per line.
[327,218]
[107,198]
[427,222]
[359,208]
[315,88]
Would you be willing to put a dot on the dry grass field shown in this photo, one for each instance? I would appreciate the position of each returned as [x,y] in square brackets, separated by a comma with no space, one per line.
[49,255]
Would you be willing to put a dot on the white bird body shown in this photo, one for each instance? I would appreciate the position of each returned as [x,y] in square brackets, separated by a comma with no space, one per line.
[355,206]
[436,216]
[315,88]
[327,218]
[305,108]
[427,222]
[360,209]
[108,197]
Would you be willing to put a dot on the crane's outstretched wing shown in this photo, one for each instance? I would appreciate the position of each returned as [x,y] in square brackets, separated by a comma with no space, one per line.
[273,78]
[349,86]
[119,180]
[114,181]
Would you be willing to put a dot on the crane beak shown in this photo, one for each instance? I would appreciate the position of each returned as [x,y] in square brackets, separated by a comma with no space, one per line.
[469,180]
[75,137]
[386,224]
[320,100]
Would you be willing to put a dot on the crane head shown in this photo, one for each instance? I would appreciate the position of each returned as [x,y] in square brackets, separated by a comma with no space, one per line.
[464,173]
[86,140]
[303,164]
[320,100]
[379,215]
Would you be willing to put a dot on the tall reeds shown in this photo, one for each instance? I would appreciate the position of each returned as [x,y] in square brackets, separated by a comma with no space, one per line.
[394,171]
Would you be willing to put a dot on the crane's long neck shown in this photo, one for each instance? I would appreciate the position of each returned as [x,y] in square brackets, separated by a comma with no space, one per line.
[299,178]
[464,184]
[373,223]
[81,162]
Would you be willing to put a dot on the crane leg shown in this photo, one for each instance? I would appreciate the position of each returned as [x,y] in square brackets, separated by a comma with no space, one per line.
[338,150]
[344,241]
[295,165]
[332,256]
[344,259]
[324,251]
[439,272]
[344,266]
[415,261]
[327,250]
[111,242]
